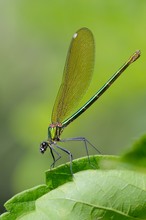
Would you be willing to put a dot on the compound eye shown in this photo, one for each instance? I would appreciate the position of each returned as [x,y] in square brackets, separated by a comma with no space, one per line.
[43,147]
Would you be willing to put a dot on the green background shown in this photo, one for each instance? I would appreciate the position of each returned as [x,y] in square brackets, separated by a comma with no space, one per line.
[34,39]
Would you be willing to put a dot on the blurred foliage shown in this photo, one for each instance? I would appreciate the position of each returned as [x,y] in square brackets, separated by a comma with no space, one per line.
[137,156]
[34,40]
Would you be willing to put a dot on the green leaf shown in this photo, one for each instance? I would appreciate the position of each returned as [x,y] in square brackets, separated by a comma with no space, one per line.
[23,202]
[96,194]
[104,189]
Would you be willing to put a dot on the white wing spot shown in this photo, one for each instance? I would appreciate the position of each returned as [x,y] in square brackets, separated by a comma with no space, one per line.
[75,35]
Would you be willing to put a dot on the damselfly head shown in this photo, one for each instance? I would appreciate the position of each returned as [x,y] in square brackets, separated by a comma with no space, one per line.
[43,146]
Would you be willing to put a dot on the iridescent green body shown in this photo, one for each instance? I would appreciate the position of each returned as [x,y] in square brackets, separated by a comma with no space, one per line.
[54,131]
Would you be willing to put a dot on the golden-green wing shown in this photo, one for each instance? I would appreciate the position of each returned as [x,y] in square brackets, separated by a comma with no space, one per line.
[77,75]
